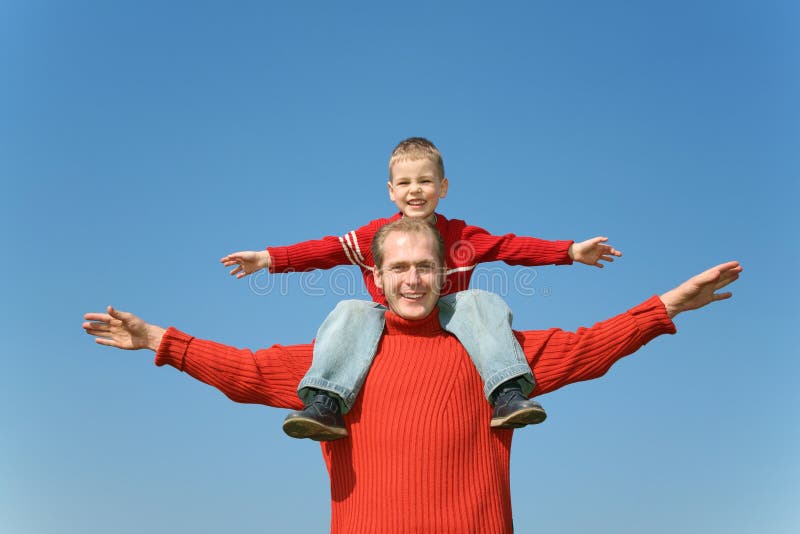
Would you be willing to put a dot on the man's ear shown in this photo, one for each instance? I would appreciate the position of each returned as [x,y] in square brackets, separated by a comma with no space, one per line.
[376,276]
[391,190]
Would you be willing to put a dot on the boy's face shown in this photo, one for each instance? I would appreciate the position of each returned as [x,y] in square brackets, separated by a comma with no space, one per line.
[416,187]
[410,277]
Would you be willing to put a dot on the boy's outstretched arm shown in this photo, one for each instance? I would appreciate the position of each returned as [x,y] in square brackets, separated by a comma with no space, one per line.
[247,262]
[593,251]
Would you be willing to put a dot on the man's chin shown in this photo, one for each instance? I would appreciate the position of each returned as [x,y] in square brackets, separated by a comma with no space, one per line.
[413,313]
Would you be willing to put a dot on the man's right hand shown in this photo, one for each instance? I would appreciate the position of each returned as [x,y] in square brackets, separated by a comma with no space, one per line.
[701,290]
[246,262]
[122,330]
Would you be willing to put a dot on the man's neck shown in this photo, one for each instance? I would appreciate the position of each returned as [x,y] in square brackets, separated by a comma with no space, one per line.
[429,325]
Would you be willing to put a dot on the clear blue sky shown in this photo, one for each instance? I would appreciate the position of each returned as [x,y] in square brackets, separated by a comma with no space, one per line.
[141,141]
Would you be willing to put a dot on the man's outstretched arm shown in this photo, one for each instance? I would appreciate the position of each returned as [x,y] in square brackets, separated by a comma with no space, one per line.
[559,358]
[268,376]
[122,330]
[701,290]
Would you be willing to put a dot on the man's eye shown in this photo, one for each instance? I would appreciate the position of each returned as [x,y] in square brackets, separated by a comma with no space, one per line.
[399,269]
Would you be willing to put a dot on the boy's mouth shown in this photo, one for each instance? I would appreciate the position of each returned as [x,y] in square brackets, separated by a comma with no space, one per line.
[416,202]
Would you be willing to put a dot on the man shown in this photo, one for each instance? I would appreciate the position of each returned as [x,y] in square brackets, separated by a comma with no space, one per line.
[420,455]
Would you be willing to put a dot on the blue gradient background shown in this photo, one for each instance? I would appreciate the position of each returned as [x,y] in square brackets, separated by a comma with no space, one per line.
[141,141]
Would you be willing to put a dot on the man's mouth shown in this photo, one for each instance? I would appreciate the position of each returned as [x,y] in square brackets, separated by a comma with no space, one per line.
[412,296]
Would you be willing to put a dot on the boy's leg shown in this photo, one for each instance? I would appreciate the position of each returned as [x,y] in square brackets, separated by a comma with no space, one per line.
[343,351]
[482,322]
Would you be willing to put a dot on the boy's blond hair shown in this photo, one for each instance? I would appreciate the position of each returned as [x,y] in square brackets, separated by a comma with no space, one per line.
[415,148]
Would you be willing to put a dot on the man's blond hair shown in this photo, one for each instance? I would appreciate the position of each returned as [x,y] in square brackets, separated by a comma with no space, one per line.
[415,148]
[407,225]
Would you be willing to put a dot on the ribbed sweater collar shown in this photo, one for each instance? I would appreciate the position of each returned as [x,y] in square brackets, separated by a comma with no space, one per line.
[427,327]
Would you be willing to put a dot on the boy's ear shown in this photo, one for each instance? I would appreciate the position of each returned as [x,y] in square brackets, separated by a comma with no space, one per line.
[391,190]
[445,184]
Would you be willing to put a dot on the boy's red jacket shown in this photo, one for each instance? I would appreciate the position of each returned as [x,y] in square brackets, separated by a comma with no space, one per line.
[465,247]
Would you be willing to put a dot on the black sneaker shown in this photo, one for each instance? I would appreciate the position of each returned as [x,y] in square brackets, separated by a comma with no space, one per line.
[513,410]
[321,420]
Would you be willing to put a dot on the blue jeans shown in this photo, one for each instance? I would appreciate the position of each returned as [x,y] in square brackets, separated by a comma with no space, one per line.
[348,338]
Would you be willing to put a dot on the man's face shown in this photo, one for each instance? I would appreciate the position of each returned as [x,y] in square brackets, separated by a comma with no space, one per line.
[416,187]
[411,277]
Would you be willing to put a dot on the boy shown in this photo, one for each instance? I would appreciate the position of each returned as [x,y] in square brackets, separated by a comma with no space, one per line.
[347,340]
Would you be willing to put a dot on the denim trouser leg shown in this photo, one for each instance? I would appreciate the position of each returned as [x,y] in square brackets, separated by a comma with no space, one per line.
[482,322]
[343,351]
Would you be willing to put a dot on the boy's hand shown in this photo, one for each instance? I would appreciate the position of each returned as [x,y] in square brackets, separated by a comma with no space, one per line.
[247,262]
[593,251]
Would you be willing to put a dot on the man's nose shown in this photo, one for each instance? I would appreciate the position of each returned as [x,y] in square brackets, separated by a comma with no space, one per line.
[413,276]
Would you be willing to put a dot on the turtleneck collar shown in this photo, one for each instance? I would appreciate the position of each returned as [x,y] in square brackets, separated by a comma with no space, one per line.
[429,326]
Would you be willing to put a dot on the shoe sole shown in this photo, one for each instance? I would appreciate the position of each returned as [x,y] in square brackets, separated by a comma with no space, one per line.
[528,416]
[303,428]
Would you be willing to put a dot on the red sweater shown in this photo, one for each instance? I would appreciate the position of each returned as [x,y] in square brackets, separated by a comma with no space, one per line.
[465,246]
[420,456]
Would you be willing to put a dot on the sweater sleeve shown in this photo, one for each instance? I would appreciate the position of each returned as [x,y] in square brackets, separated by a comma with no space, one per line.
[510,248]
[328,252]
[269,376]
[559,358]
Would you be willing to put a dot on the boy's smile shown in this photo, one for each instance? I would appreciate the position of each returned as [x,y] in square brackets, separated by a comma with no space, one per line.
[416,187]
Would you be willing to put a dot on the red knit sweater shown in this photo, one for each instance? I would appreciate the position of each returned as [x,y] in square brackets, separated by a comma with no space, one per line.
[465,247]
[420,456]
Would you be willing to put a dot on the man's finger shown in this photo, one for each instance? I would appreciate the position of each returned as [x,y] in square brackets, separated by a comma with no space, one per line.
[96,329]
[94,316]
[725,281]
[120,315]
